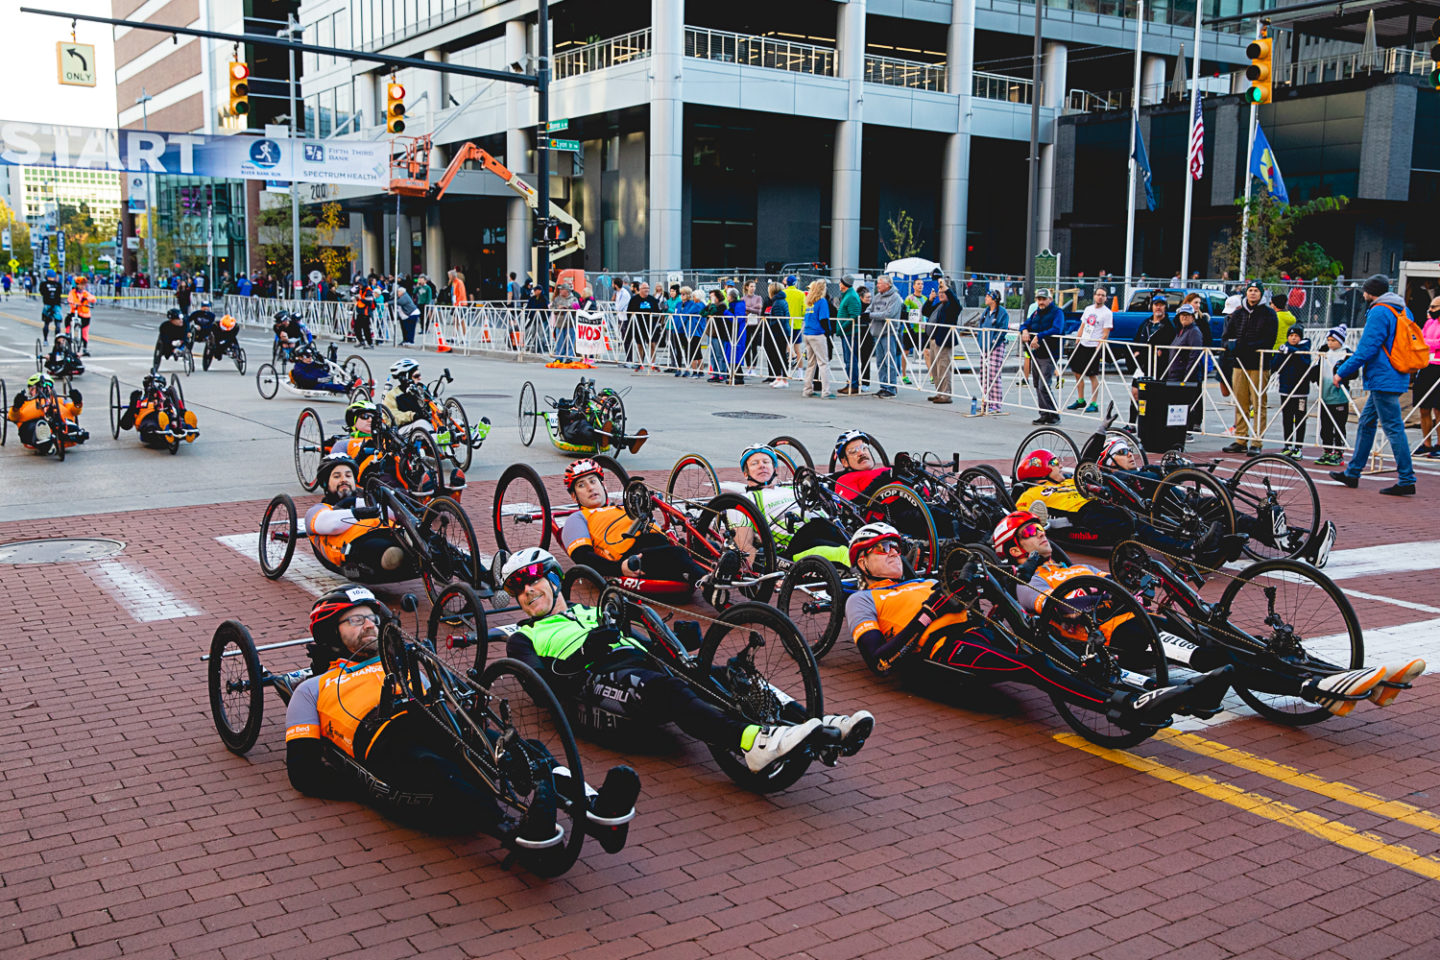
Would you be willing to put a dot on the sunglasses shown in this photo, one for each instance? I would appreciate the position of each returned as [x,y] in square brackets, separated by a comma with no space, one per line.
[1030,530]
[360,619]
[886,547]
[523,577]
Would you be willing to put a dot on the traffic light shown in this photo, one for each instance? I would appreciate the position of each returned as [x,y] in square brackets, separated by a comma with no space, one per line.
[395,107]
[1435,55]
[239,88]
[1258,73]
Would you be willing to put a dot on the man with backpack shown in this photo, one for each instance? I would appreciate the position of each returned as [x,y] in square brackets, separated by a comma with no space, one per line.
[1390,349]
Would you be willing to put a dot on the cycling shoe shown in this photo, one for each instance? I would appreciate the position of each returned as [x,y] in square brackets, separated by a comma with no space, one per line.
[1198,694]
[854,730]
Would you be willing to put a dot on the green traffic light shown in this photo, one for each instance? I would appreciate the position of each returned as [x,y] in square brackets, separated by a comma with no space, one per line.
[1255,95]
[1435,78]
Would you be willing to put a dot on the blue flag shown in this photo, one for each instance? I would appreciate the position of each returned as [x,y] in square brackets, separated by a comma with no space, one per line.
[1143,162]
[1263,165]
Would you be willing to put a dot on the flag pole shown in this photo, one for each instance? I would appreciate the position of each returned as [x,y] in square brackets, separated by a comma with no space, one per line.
[1249,152]
[1134,127]
[1189,177]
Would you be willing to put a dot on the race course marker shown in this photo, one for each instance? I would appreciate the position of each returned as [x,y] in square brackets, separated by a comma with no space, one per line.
[143,598]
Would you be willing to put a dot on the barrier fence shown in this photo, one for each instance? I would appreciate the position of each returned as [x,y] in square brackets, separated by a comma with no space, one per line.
[988,372]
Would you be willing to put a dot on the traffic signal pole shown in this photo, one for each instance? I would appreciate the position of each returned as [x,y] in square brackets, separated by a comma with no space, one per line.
[542,152]
[297,284]
[1249,177]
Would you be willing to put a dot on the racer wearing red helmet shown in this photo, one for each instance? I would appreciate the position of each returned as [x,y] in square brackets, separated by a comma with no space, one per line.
[857,478]
[598,535]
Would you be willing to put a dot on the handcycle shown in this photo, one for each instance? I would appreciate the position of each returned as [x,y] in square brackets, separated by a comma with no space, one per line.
[502,721]
[523,517]
[62,362]
[406,459]
[167,400]
[448,421]
[604,409]
[749,661]
[215,350]
[180,349]
[1280,621]
[61,433]
[350,380]
[437,538]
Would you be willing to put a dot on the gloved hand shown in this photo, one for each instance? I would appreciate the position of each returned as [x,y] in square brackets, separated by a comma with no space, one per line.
[365,513]
[599,641]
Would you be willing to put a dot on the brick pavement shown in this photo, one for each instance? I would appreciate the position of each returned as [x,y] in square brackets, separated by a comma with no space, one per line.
[964,829]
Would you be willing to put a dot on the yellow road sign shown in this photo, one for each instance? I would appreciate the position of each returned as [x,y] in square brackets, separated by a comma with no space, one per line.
[75,63]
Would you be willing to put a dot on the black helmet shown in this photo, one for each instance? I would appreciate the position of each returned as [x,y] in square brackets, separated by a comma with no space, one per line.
[282,315]
[328,465]
[174,314]
[326,613]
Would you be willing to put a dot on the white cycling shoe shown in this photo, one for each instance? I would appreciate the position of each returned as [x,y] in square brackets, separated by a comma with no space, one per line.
[854,729]
[773,743]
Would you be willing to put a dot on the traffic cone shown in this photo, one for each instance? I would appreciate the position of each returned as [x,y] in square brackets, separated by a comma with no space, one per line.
[1115,303]
[440,345]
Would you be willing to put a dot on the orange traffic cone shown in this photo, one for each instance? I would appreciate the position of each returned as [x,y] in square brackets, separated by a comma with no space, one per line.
[1115,303]
[440,345]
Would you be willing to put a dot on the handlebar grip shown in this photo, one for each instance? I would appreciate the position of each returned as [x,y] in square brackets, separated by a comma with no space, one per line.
[638,527]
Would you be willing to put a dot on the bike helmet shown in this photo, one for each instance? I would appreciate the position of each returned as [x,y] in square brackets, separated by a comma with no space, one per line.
[581,469]
[204,303]
[174,314]
[1036,465]
[527,565]
[227,323]
[755,448]
[1007,529]
[847,438]
[36,379]
[327,612]
[1113,447]
[82,279]
[403,367]
[282,315]
[870,536]
[352,412]
[328,465]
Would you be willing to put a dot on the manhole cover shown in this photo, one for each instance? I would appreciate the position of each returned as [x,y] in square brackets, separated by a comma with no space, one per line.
[59,550]
[748,415]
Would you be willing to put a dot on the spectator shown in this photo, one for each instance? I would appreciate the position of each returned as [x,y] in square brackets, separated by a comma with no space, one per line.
[992,338]
[1293,374]
[1333,396]
[1041,331]
[1284,319]
[1426,389]
[754,316]
[458,296]
[715,325]
[512,289]
[1385,385]
[538,320]
[1202,316]
[561,324]
[777,335]
[915,311]
[182,295]
[887,329]
[815,329]
[1251,330]
[409,315]
[942,312]
[848,315]
[1086,362]
[621,299]
[1150,336]
[243,286]
[647,319]
[795,301]
[692,306]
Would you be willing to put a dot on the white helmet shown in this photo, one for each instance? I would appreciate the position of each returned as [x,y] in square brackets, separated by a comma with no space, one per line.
[403,367]
[870,535]
[531,563]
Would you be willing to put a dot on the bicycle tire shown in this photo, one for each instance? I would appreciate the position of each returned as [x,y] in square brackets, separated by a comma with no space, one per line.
[782,444]
[1177,506]
[543,740]
[583,585]
[1296,494]
[237,353]
[39,355]
[267,381]
[418,457]
[984,483]
[528,413]
[238,717]
[187,359]
[813,597]
[358,369]
[57,428]
[1290,581]
[519,494]
[462,644]
[717,513]
[1055,440]
[1147,660]
[275,568]
[460,561]
[5,406]
[612,466]
[309,447]
[457,422]
[207,357]
[117,408]
[749,688]
[884,501]
[692,481]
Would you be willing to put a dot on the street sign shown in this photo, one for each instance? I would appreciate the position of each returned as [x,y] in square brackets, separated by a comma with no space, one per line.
[14,264]
[5,237]
[553,144]
[316,276]
[75,63]
[555,126]
[45,247]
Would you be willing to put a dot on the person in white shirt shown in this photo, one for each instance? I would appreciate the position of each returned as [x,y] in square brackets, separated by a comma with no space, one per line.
[1085,362]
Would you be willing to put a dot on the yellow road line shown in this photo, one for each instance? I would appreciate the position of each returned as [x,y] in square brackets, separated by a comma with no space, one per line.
[1270,809]
[1355,797]
[93,336]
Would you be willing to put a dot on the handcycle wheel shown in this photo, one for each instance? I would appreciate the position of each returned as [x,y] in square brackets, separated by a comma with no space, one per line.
[237,353]
[418,458]
[813,597]
[456,630]
[39,355]
[278,532]
[522,510]
[794,452]
[267,380]
[117,407]
[357,368]
[879,451]
[358,393]
[207,357]
[309,447]
[1053,439]
[537,739]
[692,481]
[179,393]
[177,404]
[187,358]
[1090,649]
[755,659]
[1271,479]
[720,523]
[612,468]
[451,550]
[458,424]
[1186,502]
[614,408]
[1304,622]
[982,486]
[582,584]
[529,413]
[903,509]
[237,690]
[57,428]
[5,406]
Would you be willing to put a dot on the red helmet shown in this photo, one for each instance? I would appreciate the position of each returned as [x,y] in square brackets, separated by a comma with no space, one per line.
[581,469]
[1113,446]
[325,614]
[1036,465]
[1009,528]
[869,536]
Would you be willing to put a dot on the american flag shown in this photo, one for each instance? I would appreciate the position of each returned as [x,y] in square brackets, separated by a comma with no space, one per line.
[1197,141]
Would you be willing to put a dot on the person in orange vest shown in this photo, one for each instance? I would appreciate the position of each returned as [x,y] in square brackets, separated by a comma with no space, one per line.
[27,412]
[81,300]
[364,312]
[458,296]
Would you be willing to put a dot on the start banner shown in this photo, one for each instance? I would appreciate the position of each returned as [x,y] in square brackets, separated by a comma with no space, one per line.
[236,157]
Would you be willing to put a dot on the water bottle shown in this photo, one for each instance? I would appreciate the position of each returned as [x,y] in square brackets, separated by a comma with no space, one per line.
[974,406]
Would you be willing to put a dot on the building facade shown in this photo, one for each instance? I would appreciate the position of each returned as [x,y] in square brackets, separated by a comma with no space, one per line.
[39,191]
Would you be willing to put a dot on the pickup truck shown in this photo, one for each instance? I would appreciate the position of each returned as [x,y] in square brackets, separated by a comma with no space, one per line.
[1127,321]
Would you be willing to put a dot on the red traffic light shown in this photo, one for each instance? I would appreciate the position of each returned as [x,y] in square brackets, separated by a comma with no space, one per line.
[239,71]
[396,91]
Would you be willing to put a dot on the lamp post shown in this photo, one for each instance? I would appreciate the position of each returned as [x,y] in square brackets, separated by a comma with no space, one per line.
[144,101]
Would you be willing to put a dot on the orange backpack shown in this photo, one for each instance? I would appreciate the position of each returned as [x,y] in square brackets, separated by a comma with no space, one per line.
[1408,352]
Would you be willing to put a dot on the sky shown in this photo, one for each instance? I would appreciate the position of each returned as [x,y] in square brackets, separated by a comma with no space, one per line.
[29,88]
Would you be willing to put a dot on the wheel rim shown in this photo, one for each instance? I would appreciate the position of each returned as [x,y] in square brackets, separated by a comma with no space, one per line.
[234,700]
[1187,502]
[276,542]
[1267,482]
[692,482]
[760,677]
[457,627]
[520,514]
[809,598]
[527,413]
[1057,442]
[309,441]
[443,517]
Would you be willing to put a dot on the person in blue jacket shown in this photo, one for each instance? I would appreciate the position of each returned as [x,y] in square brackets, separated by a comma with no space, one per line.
[1385,385]
[1041,332]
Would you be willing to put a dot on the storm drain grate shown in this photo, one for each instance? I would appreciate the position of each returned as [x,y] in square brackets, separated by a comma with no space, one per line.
[59,550]
[747,415]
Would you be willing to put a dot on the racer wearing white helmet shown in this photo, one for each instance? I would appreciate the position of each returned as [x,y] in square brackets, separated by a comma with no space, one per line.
[403,404]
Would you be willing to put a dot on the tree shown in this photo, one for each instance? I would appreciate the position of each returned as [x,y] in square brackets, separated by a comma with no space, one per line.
[1271,225]
[19,236]
[902,242]
[335,259]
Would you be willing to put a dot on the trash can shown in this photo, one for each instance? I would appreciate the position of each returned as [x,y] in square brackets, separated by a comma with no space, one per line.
[1164,408]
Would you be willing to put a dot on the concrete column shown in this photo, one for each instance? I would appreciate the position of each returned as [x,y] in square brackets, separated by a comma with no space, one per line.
[433,241]
[435,265]
[371,242]
[667,135]
[955,173]
[367,99]
[433,83]
[1053,88]
[519,109]
[404,259]
[1152,78]
[849,134]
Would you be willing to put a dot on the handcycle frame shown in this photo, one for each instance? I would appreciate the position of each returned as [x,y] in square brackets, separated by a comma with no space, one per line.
[358,386]
[584,395]
[209,353]
[74,365]
[62,437]
[459,450]
[158,393]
